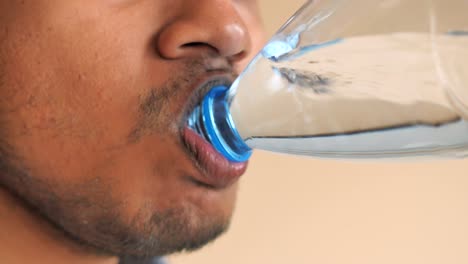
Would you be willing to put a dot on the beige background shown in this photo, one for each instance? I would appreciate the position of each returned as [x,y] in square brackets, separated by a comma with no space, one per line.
[302,210]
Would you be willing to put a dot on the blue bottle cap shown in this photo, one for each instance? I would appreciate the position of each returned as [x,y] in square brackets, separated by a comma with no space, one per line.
[220,128]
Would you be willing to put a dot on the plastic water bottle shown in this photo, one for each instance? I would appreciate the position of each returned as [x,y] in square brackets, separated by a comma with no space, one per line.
[350,79]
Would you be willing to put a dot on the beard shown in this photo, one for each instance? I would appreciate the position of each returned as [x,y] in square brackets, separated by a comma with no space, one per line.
[89,214]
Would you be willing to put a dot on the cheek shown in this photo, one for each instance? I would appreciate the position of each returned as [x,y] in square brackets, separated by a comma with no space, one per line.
[66,99]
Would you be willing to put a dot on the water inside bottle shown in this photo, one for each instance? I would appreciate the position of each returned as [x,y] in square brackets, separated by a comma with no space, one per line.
[377,95]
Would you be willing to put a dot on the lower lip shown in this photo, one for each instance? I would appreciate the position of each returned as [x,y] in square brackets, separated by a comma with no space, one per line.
[219,173]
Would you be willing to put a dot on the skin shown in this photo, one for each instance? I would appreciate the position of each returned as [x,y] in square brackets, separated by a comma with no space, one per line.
[92,102]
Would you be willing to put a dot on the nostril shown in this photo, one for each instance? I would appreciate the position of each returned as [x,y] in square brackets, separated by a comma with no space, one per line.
[198,45]
[194,44]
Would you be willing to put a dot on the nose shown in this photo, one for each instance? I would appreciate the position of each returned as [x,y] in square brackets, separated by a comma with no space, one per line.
[203,25]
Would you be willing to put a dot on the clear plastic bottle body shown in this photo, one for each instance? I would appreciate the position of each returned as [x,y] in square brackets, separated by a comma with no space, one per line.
[358,79]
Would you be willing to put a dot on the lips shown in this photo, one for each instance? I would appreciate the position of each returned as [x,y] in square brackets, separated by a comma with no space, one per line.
[217,171]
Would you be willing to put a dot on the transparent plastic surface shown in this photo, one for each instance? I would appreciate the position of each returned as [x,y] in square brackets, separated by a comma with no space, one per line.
[360,79]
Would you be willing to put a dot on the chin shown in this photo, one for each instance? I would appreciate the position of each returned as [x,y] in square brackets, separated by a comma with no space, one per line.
[183,228]
[193,220]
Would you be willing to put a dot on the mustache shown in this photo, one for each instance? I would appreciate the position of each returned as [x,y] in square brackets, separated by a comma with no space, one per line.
[195,69]
[164,108]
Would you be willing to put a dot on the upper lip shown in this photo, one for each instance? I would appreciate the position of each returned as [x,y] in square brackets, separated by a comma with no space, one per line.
[216,71]
[204,87]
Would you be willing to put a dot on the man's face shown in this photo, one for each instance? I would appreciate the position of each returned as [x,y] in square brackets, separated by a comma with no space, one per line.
[93,101]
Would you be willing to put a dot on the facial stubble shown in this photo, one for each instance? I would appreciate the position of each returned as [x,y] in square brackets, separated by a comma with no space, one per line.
[87,214]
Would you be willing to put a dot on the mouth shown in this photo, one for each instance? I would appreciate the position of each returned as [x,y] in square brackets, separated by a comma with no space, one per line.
[216,172]
[199,92]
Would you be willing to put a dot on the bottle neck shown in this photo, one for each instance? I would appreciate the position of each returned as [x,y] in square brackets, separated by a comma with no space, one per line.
[212,120]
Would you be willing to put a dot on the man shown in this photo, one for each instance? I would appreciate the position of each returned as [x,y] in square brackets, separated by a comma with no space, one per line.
[96,162]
